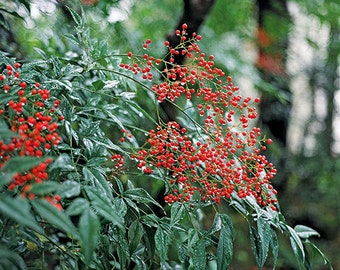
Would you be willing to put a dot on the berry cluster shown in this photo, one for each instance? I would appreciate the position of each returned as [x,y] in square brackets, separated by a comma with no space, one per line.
[225,155]
[32,116]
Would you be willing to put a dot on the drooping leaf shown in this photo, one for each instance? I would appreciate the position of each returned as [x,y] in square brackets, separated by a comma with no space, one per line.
[55,217]
[107,143]
[274,244]
[44,188]
[77,19]
[140,195]
[68,189]
[21,164]
[18,209]
[177,213]
[98,179]
[11,260]
[225,243]
[122,246]
[315,249]
[198,256]
[89,228]
[297,246]
[263,228]
[77,207]
[104,206]
[305,232]
[162,241]
[135,234]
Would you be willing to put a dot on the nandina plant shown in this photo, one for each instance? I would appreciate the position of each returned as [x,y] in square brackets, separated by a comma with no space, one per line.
[83,141]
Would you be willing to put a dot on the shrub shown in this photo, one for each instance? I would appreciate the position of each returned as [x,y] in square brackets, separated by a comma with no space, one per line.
[84,146]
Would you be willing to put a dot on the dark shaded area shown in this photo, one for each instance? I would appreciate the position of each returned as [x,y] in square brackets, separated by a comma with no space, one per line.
[271,62]
[194,14]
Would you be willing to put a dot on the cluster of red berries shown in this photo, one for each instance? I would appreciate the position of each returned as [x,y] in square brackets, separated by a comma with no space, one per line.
[31,115]
[225,156]
[118,163]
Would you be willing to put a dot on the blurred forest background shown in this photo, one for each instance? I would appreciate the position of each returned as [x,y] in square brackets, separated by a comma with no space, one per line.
[287,52]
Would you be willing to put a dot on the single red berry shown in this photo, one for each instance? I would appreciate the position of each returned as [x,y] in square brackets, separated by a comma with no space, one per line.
[23,85]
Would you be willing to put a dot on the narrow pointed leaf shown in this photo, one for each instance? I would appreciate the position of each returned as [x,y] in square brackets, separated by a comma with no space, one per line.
[225,243]
[198,259]
[140,195]
[21,164]
[104,206]
[89,227]
[177,213]
[305,232]
[55,217]
[162,241]
[19,210]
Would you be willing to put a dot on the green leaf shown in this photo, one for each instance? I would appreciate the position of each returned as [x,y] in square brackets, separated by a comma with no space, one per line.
[72,38]
[141,110]
[98,179]
[225,243]
[21,164]
[140,195]
[19,210]
[177,213]
[89,228]
[297,246]
[198,256]
[135,234]
[120,206]
[119,185]
[162,241]
[274,244]
[122,246]
[263,228]
[305,232]
[96,161]
[104,206]
[77,19]
[68,189]
[11,260]
[44,188]
[107,143]
[63,162]
[5,178]
[55,217]
[150,220]
[77,207]
[317,250]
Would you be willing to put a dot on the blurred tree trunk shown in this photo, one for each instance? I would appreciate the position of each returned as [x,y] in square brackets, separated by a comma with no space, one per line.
[194,14]
[329,87]
[272,35]
[275,107]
